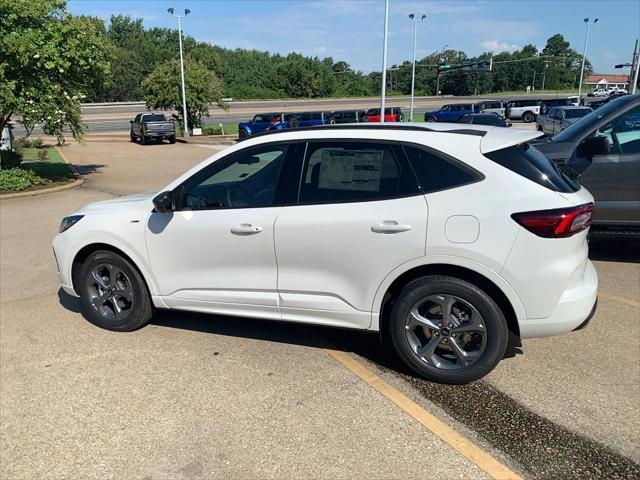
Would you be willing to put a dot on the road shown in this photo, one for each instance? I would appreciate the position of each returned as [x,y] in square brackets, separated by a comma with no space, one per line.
[115,117]
[197,396]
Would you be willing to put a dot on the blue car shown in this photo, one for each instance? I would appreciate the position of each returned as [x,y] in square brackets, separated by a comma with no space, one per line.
[450,113]
[280,121]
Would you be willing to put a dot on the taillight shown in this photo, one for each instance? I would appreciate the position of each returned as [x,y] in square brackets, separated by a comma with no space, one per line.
[556,223]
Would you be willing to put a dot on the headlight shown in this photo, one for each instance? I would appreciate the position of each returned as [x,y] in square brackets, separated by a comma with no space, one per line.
[68,222]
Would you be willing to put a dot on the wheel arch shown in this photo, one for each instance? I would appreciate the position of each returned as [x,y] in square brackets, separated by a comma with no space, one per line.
[489,281]
[84,253]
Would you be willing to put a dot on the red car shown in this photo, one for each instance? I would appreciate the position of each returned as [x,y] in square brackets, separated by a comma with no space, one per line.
[391,114]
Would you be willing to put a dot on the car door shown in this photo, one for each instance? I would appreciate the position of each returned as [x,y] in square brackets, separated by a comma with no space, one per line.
[360,214]
[614,177]
[215,253]
[444,113]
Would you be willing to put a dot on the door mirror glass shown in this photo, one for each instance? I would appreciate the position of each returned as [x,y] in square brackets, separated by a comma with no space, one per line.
[164,202]
[594,146]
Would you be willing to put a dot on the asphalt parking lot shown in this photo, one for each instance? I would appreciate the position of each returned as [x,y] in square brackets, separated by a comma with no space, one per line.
[194,396]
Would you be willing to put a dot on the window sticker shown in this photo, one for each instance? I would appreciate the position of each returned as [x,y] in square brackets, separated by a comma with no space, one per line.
[356,170]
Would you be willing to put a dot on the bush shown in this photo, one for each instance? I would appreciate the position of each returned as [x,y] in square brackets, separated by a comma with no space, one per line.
[42,155]
[16,179]
[21,143]
[36,143]
[9,159]
[211,130]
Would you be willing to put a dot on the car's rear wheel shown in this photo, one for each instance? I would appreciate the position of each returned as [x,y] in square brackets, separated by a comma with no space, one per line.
[114,295]
[431,119]
[528,117]
[448,330]
[132,136]
[172,139]
[143,140]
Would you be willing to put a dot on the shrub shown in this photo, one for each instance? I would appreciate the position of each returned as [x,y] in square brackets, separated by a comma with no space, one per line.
[42,155]
[36,143]
[21,143]
[9,159]
[16,179]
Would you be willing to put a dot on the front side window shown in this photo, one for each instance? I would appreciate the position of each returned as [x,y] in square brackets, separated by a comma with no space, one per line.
[246,179]
[263,118]
[338,171]
[623,133]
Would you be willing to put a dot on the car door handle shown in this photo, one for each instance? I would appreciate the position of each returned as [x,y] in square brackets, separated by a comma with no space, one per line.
[245,229]
[390,226]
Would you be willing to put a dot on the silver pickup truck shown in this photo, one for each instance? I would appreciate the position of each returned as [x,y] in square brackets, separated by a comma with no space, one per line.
[152,126]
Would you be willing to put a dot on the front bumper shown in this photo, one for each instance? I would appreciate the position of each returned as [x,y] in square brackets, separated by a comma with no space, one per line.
[62,252]
[575,308]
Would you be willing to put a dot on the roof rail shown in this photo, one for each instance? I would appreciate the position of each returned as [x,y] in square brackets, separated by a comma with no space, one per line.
[373,126]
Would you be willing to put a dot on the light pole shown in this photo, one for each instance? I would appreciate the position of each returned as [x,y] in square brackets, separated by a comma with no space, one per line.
[184,96]
[584,53]
[438,72]
[413,72]
[384,60]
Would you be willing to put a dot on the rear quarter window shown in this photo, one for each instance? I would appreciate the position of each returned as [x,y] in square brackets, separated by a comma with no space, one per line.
[530,163]
[435,172]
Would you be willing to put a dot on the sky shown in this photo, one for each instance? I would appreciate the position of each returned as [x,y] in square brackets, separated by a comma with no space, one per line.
[352,30]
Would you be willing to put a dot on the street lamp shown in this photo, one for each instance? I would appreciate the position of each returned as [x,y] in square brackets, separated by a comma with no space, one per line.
[384,60]
[584,53]
[184,96]
[413,73]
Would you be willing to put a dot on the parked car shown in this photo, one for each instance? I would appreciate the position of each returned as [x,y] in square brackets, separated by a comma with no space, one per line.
[560,118]
[391,114]
[603,148]
[450,113]
[526,110]
[152,126]
[491,106]
[484,119]
[308,119]
[598,92]
[444,239]
[349,116]
[261,122]
[547,104]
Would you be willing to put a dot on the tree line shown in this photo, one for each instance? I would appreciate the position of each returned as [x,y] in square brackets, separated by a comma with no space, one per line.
[51,61]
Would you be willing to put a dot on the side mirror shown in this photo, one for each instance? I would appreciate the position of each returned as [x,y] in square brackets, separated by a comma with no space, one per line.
[164,202]
[130,121]
[595,146]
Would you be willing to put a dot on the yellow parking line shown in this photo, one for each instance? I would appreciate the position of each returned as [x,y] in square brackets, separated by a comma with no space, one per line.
[615,298]
[443,431]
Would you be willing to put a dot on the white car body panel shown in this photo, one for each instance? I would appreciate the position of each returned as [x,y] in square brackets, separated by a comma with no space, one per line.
[323,264]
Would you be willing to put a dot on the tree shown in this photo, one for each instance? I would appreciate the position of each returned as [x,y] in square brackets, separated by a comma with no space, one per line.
[162,89]
[49,60]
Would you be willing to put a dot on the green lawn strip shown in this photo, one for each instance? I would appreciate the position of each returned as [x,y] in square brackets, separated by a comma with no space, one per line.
[54,168]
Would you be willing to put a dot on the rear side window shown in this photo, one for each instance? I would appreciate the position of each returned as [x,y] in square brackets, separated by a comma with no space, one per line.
[338,171]
[436,172]
[525,160]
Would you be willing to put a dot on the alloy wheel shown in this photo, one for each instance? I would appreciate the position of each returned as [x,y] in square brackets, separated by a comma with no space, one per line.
[446,332]
[110,292]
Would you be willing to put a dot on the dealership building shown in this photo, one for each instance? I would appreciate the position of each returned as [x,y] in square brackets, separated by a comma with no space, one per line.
[605,80]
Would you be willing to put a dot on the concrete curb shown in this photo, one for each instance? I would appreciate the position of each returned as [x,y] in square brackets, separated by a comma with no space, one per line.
[76,183]
[210,140]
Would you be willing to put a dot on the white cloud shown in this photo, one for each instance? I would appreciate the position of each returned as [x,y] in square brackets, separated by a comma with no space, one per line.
[497,46]
[610,55]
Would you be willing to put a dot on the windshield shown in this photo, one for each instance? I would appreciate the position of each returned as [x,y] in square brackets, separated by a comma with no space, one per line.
[586,122]
[576,112]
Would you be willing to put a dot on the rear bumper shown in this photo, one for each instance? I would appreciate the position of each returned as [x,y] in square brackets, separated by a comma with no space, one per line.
[574,310]
[160,134]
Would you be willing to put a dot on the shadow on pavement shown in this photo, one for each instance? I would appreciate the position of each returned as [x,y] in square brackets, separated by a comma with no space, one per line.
[88,169]
[614,248]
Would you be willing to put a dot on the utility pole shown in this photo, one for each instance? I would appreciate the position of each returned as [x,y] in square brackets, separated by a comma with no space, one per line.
[533,84]
[438,69]
[413,72]
[544,74]
[584,53]
[635,67]
[384,60]
[184,95]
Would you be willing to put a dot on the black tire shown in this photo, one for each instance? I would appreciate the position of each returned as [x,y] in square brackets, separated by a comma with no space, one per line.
[124,280]
[430,119]
[243,135]
[172,139]
[132,136]
[528,117]
[491,319]
[143,139]
[294,122]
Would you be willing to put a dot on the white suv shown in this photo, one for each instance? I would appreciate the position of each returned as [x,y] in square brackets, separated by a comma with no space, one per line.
[445,239]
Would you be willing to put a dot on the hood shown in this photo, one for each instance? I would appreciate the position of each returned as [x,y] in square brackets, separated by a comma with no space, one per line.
[130,203]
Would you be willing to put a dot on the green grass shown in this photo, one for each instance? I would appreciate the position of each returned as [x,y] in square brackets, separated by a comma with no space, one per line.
[214,129]
[53,168]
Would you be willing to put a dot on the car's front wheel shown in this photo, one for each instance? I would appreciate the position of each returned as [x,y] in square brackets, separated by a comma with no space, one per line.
[172,139]
[448,330]
[243,135]
[113,293]
[132,136]
[431,119]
